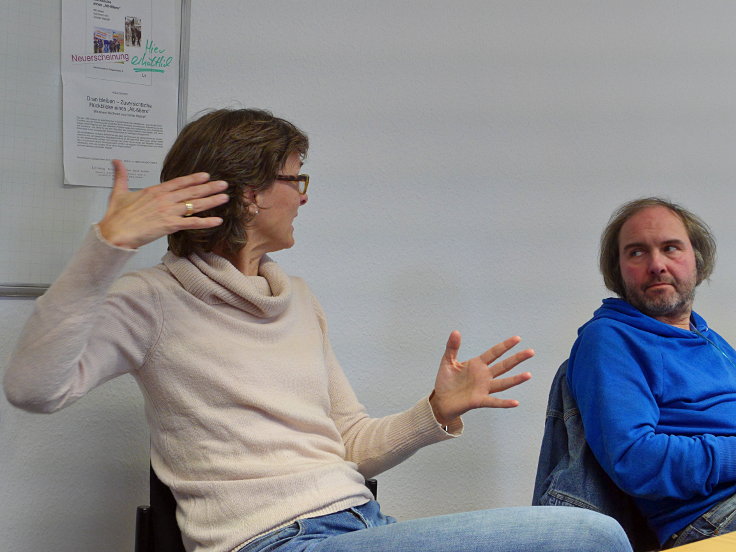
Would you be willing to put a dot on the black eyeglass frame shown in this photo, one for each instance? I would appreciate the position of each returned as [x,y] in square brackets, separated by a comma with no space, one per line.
[302,179]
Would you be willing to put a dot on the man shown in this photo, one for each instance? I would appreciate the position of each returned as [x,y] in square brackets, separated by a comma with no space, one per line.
[656,387]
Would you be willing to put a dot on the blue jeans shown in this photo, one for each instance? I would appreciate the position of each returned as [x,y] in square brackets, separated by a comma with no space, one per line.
[524,529]
[720,519]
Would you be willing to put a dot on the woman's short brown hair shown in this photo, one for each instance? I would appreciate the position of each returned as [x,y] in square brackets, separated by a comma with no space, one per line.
[243,147]
[701,238]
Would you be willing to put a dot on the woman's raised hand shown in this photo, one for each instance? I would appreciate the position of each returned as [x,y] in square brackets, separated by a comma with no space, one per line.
[135,218]
[463,386]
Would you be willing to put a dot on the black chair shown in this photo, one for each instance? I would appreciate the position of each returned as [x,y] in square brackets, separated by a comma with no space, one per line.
[156,529]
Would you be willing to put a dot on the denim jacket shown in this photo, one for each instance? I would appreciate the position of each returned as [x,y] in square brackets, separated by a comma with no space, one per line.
[569,475]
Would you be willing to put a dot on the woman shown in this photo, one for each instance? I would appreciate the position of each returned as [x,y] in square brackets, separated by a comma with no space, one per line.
[254,426]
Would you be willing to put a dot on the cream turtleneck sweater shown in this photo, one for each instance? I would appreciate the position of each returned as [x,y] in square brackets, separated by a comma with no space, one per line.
[253,423]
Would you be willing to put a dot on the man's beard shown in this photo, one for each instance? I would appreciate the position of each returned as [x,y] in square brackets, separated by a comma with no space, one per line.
[669,305]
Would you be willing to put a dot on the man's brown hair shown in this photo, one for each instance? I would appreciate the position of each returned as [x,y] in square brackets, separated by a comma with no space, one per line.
[701,238]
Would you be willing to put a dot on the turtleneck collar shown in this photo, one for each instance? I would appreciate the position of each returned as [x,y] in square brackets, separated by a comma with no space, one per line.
[214,279]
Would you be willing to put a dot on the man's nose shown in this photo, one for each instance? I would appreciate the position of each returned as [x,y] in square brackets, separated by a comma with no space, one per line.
[657,263]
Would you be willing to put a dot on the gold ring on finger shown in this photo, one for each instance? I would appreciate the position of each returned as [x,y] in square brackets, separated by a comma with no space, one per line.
[190,208]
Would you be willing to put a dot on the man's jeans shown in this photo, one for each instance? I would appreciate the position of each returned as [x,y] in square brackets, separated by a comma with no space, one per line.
[720,519]
[524,529]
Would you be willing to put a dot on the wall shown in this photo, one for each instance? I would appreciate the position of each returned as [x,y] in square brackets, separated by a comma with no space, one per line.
[464,158]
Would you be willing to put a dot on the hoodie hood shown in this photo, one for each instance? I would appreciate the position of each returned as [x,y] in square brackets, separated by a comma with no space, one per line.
[621,311]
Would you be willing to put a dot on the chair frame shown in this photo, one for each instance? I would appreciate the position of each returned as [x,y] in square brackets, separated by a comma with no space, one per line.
[156,529]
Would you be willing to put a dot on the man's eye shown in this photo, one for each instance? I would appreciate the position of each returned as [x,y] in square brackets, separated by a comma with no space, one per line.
[636,253]
[670,248]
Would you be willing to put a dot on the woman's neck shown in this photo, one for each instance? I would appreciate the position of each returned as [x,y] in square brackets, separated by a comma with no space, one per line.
[245,260]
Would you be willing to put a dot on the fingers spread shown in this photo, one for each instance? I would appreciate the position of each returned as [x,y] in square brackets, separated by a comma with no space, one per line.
[499,349]
[192,206]
[209,202]
[193,223]
[182,203]
[507,383]
[502,385]
[453,346]
[509,363]
[200,190]
[493,402]
[183,182]
[120,177]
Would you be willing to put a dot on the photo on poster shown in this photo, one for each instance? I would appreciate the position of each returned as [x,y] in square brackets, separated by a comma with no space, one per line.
[105,41]
[133,31]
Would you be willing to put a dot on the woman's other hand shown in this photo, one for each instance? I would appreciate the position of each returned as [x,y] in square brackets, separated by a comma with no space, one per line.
[135,218]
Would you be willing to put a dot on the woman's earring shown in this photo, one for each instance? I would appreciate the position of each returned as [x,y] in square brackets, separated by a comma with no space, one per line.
[250,198]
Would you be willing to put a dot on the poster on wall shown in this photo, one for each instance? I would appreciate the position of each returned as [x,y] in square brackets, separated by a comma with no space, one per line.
[120,78]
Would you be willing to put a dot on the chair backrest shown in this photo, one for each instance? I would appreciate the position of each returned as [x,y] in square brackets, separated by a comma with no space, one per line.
[156,529]
[568,473]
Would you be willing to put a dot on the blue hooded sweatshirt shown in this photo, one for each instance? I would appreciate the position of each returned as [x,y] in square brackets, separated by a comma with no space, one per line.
[658,404]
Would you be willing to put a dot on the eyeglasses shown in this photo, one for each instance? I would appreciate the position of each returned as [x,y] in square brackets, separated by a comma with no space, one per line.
[302,179]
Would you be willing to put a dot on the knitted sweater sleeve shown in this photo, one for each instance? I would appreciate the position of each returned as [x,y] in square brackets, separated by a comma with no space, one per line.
[79,335]
[378,444]
[616,383]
